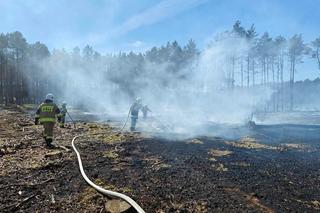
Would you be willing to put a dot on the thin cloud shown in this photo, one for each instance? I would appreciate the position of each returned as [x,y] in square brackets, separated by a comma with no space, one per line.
[152,15]
[137,44]
[161,11]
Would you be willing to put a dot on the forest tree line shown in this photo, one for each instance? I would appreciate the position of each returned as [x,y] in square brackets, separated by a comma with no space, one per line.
[256,60]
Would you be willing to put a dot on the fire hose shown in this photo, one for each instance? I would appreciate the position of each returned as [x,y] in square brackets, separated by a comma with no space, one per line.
[100,189]
[74,124]
[125,123]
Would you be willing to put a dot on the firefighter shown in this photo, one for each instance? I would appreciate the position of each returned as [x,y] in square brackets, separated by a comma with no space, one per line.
[63,113]
[134,110]
[46,115]
[145,109]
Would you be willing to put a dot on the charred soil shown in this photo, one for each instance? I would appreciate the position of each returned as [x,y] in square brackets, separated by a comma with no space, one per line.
[204,174]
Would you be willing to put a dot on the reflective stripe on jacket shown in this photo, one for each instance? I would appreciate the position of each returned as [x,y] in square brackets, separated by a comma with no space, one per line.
[47,112]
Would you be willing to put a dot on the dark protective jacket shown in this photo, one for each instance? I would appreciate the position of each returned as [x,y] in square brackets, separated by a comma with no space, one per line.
[47,112]
[63,110]
[135,109]
[145,109]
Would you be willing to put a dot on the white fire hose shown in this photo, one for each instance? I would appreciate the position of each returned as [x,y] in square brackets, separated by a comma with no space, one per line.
[101,190]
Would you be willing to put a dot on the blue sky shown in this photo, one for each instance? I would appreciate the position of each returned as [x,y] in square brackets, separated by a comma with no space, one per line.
[122,25]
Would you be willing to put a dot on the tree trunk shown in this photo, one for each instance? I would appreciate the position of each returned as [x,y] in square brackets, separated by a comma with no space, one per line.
[248,72]
[1,79]
[253,72]
[17,95]
[273,85]
[278,85]
[264,71]
[267,70]
[292,83]
[318,56]
[232,72]
[272,69]
[261,72]
[241,72]
[281,78]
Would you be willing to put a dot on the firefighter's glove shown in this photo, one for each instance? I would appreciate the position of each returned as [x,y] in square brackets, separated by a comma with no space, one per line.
[36,121]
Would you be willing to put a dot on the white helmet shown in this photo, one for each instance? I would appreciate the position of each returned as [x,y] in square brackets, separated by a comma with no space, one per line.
[49,97]
[64,103]
[138,100]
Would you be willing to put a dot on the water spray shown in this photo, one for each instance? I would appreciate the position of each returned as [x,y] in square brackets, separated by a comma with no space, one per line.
[165,126]
[74,124]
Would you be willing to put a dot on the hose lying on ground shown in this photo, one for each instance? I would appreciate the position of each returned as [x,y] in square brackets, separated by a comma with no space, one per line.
[101,190]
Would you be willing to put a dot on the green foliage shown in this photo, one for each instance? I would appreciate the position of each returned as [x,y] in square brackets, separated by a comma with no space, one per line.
[24,77]
[296,48]
[316,50]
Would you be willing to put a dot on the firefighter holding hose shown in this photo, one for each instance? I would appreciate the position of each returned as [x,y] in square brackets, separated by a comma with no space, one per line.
[145,109]
[46,115]
[63,113]
[134,110]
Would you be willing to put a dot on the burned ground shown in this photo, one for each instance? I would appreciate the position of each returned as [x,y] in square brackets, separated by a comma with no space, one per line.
[204,174]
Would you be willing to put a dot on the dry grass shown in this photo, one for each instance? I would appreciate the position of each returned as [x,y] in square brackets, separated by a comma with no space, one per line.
[220,167]
[194,141]
[242,164]
[314,204]
[250,143]
[219,153]
[89,194]
[111,154]
[156,163]
[250,199]
[294,146]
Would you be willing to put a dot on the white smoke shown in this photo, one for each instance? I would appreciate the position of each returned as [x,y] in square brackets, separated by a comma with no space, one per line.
[200,93]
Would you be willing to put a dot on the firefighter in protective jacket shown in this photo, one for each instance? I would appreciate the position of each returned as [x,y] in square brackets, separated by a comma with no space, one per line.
[134,110]
[46,114]
[63,113]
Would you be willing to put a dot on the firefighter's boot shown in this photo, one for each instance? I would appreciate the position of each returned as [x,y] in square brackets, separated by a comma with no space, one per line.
[49,143]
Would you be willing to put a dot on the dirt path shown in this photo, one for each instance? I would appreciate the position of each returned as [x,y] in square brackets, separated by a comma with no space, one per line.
[197,175]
